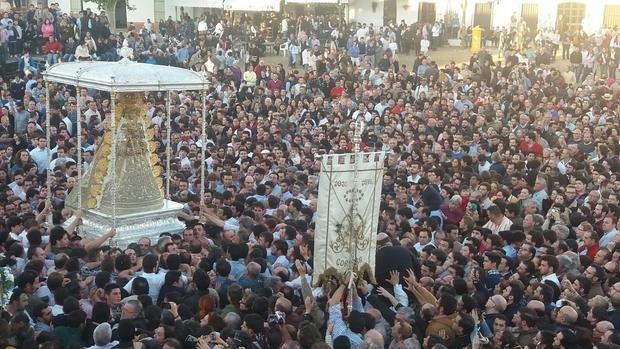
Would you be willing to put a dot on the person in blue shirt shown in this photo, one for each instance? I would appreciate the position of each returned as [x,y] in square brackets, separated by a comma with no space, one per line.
[492,275]
[355,324]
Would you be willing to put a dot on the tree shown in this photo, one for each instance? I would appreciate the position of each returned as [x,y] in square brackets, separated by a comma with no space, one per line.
[110,4]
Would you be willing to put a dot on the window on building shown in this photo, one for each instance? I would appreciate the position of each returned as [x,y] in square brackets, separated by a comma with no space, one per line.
[482,15]
[426,12]
[529,13]
[570,15]
[612,16]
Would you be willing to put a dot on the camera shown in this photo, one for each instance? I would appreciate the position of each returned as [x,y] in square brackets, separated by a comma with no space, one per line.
[191,339]
[276,319]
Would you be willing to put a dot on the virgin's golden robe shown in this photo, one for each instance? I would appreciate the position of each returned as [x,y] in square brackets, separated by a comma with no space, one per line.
[133,171]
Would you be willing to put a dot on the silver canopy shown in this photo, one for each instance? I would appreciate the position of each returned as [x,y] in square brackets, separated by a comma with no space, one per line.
[125,76]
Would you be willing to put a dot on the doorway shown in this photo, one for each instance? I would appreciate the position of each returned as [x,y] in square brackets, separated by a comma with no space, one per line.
[426,12]
[611,19]
[389,12]
[570,15]
[120,14]
[482,15]
[529,13]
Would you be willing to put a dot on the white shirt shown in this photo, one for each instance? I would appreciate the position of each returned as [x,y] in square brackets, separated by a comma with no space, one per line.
[505,224]
[553,278]
[41,158]
[219,29]
[284,25]
[419,247]
[282,261]
[18,190]
[202,26]
[82,52]
[367,115]
[60,161]
[155,281]
[424,45]
[607,238]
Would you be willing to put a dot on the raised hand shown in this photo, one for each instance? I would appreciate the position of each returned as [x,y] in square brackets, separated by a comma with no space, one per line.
[303,250]
[475,316]
[308,304]
[301,269]
[383,292]
[410,279]
[442,334]
[394,278]
[112,233]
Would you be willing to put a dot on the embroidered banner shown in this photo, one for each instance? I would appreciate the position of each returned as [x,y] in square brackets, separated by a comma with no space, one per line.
[347,213]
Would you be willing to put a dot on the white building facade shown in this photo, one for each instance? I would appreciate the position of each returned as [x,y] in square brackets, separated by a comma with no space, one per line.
[485,13]
[491,13]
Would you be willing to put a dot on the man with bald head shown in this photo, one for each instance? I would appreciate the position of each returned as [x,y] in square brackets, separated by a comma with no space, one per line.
[566,317]
[252,278]
[600,329]
[381,325]
[373,339]
[538,307]
[285,306]
[495,306]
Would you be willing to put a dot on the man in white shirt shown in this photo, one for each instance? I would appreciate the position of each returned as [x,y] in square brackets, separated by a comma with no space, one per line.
[284,27]
[497,221]
[41,155]
[548,266]
[363,112]
[279,248]
[92,111]
[148,26]
[361,33]
[61,159]
[414,171]
[82,53]
[17,186]
[609,231]
[423,241]
[219,29]
[153,277]
[16,228]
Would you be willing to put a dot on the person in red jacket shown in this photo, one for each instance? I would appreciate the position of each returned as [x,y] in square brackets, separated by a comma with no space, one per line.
[531,145]
[52,49]
[275,84]
[337,91]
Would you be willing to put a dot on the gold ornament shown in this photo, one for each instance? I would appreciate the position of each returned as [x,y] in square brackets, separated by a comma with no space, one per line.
[92,203]
[157,170]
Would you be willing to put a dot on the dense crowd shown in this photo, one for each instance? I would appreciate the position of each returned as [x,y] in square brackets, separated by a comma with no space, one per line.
[499,207]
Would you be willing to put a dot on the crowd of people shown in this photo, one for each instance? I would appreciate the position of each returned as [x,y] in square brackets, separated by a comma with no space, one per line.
[498,214]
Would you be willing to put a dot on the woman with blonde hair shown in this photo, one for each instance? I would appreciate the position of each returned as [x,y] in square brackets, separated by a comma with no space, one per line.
[401,331]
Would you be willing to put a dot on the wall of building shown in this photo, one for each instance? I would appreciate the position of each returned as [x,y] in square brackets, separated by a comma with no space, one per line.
[595,10]
[502,11]
[361,11]
[547,13]
[173,8]
[143,9]
[406,10]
